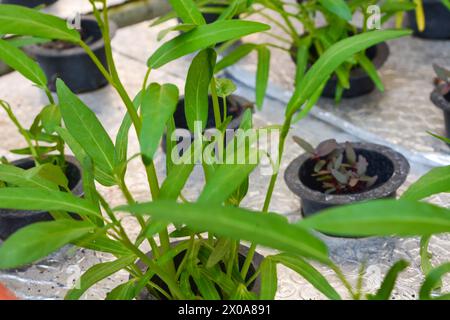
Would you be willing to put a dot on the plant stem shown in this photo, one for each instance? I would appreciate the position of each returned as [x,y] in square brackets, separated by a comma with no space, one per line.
[215,101]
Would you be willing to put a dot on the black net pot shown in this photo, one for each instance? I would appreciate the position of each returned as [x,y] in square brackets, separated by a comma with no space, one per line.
[13,220]
[391,167]
[236,106]
[437,21]
[443,102]
[360,82]
[29,3]
[254,287]
[72,64]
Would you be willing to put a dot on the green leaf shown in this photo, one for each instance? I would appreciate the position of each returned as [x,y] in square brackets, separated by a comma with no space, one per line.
[225,87]
[178,27]
[371,70]
[121,146]
[25,21]
[234,56]
[271,230]
[81,155]
[225,180]
[436,181]
[19,61]
[307,271]
[206,287]
[219,251]
[83,125]
[125,291]
[52,173]
[40,239]
[431,282]
[158,105]
[43,199]
[196,103]
[21,178]
[97,273]
[269,279]
[51,118]
[338,7]
[188,11]
[103,244]
[388,284]
[203,37]
[262,75]
[382,218]
[332,58]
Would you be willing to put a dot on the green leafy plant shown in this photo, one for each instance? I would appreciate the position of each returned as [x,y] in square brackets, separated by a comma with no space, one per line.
[307,47]
[213,226]
[337,168]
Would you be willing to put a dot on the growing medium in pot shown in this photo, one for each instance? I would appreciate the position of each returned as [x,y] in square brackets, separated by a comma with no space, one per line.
[13,220]
[68,61]
[338,174]
[29,3]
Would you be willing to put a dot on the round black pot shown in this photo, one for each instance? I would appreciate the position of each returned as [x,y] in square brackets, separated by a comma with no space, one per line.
[391,167]
[29,3]
[360,82]
[73,65]
[13,220]
[236,106]
[437,18]
[254,287]
[443,102]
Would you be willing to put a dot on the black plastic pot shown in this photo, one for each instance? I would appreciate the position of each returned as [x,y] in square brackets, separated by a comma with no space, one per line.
[13,220]
[254,287]
[360,82]
[236,106]
[437,18]
[443,102]
[73,65]
[29,3]
[391,167]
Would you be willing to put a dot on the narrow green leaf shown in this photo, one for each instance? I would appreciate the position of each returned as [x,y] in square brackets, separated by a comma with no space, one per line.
[188,11]
[200,72]
[125,291]
[206,287]
[44,199]
[104,244]
[97,273]
[19,61]
[269,279]
[270,230]
[158,105]
[332,58]
[40,239]
[431,281]
[203,37]
[83,125]
[80,154]
[121,146]
[388,284]
[21,178]
[308,272]
[25,21]
[436,181]
[234,56]
[371,70]
[220,250]
[382,218]
[338,7]
[50,117]
[262,75]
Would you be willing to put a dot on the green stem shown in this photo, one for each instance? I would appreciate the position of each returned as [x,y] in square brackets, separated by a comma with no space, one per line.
[215,101]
